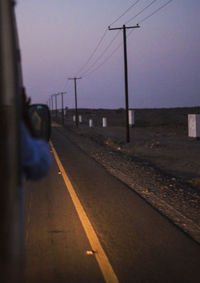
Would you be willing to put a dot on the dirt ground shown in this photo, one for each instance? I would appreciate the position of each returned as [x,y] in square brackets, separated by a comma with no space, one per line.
[161,163]
[159,136]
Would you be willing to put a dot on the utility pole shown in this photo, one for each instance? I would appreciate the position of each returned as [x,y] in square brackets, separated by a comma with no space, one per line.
[75,92]
[56,94]
[55,102]
[51,103]
[124,28]
[62,103]
[52,113]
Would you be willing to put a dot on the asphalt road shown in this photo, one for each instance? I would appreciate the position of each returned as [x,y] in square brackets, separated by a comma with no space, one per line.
[141,245]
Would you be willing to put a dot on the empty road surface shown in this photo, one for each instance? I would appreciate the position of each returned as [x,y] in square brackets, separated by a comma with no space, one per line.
[84,225]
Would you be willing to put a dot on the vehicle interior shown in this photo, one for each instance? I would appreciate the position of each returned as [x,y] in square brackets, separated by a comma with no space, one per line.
[87,220]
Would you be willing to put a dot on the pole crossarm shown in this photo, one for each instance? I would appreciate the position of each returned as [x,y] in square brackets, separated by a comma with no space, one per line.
[137,26]
[55,94]
[58,93]
[74,78]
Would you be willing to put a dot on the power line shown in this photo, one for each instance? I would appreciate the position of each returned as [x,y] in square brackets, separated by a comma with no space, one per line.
[141,11]
[65,85]
[103,36]
[106,59]
[153,13]
[90,70]
[115,50]
[125,12]
[101,55]
[92,55]
[94,63]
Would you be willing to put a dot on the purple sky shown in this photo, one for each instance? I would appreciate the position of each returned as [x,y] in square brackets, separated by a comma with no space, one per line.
[58,36]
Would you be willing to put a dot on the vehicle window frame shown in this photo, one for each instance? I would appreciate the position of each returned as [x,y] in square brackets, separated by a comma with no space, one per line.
[11,201]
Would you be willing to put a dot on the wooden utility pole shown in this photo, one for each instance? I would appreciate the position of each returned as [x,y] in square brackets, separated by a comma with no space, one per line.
[124,28]
[55,103]
[62,103]
[56,106]
[51,104]
[51,98]
[75,92]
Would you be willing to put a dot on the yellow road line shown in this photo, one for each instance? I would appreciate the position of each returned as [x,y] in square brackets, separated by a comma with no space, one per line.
[102,259]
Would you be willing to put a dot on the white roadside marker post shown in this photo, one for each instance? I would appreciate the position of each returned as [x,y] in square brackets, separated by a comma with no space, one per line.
[131,117]
[90,123]
[104,122]
[194,125]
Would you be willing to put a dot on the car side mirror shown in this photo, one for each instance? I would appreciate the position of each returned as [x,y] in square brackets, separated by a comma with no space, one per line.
[40,119]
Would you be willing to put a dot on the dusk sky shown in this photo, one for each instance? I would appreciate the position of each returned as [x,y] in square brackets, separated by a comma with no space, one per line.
[57,37]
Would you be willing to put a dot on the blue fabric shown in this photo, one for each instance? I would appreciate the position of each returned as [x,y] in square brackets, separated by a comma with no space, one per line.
[36,156]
